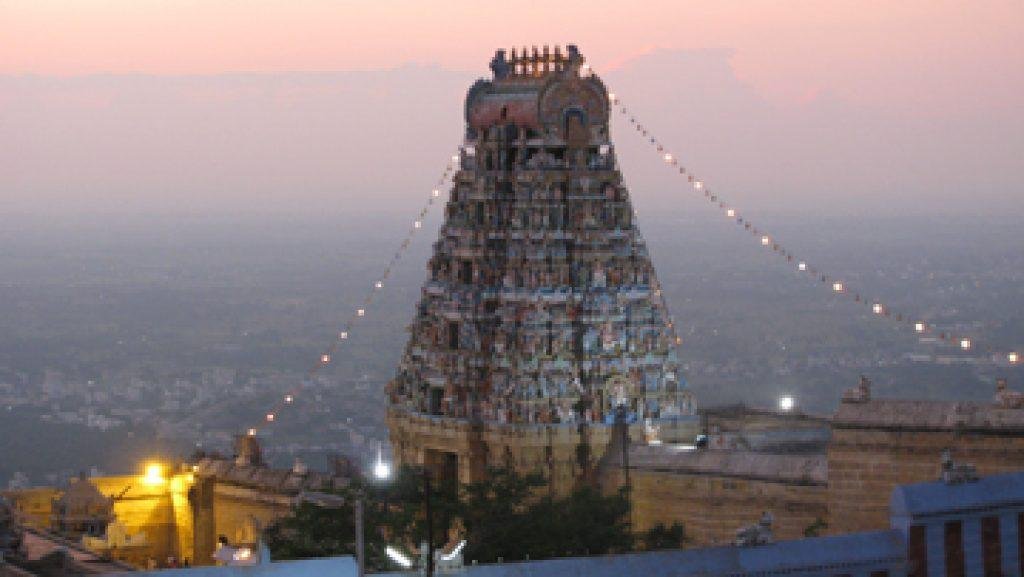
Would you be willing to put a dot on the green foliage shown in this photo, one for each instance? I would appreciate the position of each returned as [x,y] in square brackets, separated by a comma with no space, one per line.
[815,528]
[502,517]
[312,531]
[662,537]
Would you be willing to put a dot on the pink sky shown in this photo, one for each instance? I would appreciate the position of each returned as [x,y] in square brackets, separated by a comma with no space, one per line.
[913,55]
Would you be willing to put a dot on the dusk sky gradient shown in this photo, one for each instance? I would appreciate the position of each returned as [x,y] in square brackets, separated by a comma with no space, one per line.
[100,97]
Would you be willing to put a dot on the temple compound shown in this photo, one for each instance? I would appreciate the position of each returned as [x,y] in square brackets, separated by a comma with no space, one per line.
[542,318]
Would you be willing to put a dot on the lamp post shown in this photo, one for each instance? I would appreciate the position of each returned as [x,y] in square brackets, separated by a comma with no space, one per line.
[381,472]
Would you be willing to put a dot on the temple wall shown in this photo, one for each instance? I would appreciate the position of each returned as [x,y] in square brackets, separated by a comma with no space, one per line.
[158,510]
[866,464]
[712,507]
[547,449]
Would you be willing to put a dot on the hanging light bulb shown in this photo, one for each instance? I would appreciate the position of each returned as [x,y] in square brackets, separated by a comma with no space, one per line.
[270,417]
[668,157]
[361,312]
[251,432]
[698,185]
[343,335]
[877,308]
[919,327]
[802,266]
[418,224]
[288,399]
[765,241]
[837,286]
[378,285]
[435,193]
[1012,358]
[965,344]
[730,213]
[325,359]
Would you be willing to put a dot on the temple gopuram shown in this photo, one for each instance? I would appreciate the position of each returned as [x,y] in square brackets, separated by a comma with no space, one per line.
[541,323]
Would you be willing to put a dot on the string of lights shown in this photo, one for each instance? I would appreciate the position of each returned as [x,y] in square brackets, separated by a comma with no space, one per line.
[835,284]
[330,351]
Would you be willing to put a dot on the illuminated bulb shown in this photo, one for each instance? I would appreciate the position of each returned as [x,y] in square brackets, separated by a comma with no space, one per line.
[455,158]
[965,344]
[288,399]
[919,327]
[730,213]
[270,417]
[154,474]
[837,286]
[1012,358]
[417,224]
[325,359]
[668,157]
[679,340]
[343,335]
[435,193]
[361,312]
[381,470]
[611,96]
[802,266]
[698,184]
[604,149]
[786,403]
[252,432]
[877,308]
[765,241]
[378,285]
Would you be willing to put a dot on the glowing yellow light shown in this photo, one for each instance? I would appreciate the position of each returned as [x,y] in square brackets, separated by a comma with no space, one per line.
[325,359]
[765,241]
[252,432]
[270,417]
[965,344]
[417,224]
[668,157]
[361,312]
[802,266]
[698,184]
[679,340]
[343,335]
[288,398]
[378,285]
[1012,358]
[435,193]
[154,474]
[877,308]
[919,327]
[730,213]
[837,286]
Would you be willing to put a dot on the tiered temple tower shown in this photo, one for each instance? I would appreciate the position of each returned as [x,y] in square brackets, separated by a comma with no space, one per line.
[541,322]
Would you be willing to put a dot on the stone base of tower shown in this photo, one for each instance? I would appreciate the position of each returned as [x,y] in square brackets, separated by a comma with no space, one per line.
[455,449]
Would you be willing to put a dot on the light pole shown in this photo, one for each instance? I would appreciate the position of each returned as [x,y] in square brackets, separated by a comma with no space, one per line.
[381,472]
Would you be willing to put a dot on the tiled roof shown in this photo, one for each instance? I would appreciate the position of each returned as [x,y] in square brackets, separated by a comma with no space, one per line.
[788,468]
[818,556]
[283,481]
[932,415]
[937,497]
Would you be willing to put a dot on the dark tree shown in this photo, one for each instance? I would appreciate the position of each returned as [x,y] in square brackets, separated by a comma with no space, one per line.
[662,537]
